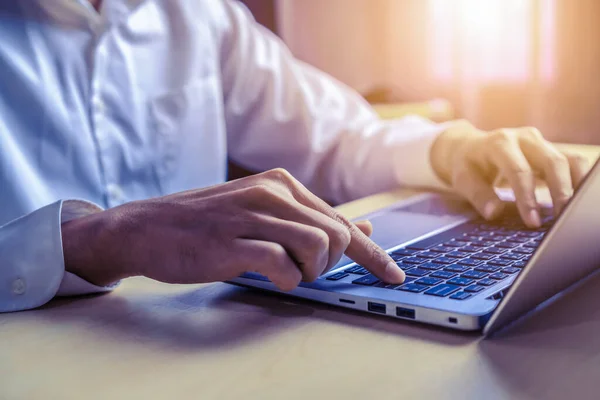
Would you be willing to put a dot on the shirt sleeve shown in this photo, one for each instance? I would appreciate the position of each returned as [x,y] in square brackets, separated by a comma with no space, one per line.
[32,269]
[281,112]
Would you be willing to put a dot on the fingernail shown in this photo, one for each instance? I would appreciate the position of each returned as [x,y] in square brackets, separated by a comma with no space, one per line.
[393,273]
[534,218]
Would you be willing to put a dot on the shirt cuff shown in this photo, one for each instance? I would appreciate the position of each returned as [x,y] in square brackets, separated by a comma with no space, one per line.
[71,284]
[412,161]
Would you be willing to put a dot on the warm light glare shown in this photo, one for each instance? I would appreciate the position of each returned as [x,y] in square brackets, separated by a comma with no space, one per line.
[492,40]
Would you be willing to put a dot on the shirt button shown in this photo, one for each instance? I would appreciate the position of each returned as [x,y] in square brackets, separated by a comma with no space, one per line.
[99,105]
[115,193]
[18,286]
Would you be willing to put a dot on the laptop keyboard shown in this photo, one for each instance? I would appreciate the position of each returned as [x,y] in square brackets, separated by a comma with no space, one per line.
[462,261]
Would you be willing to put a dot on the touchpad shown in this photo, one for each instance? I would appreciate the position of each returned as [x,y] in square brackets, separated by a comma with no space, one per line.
[409,221]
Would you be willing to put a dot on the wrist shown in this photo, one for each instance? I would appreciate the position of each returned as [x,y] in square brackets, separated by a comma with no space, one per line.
[89,252]
[448,146]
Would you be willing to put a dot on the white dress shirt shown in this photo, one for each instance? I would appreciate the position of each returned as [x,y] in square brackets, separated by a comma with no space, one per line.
[150,97]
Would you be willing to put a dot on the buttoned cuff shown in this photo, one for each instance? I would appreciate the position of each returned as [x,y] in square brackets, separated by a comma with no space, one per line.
[32,267]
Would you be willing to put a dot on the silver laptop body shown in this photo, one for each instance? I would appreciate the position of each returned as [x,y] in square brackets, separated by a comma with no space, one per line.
[567,253]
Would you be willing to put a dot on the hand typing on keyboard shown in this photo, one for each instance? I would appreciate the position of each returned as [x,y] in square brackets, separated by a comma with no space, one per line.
[471,161]
[268,223]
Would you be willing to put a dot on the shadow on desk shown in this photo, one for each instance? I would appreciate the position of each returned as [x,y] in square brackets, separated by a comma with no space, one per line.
[219,315]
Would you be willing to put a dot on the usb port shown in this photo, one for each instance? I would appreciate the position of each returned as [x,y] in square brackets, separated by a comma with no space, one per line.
[405,312]
[377,307]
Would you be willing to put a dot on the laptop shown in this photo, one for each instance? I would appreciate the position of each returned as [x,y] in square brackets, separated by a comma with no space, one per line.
[462,272]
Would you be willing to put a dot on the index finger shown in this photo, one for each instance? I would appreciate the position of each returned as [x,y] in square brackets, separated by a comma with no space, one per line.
[361,249]
[512,163]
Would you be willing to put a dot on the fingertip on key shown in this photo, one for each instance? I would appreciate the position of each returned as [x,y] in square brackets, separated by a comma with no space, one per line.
[393,273]
[534,219]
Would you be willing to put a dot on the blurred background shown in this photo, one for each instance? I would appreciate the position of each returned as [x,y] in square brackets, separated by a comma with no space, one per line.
[495,62]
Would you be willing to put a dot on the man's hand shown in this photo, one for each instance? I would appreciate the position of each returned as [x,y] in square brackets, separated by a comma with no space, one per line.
[471,160]
[267,223]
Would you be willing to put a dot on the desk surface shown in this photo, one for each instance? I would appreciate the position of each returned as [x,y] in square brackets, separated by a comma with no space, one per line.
[149,340]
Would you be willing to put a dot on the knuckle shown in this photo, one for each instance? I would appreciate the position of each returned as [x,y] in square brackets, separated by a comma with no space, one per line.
[275,255]
[528,202]
[500,137]
[532,133]
[343,237]
[263,192]
[558,161]
[319,240]
[519,170]
[280,174]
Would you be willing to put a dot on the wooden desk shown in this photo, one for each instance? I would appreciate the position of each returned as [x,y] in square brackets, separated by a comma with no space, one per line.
[149,340]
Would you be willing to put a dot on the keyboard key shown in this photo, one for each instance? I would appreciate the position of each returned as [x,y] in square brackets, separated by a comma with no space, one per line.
[486,243]
[367,280]
[413,260]
[409,279]
[518,239]
[443,260]
[474,288]
[404,266]
[442,248]
[456,268]
[474,275]
[495,250]
[531,245]
[442,290]
[505,233]
[528,234]
[337,276]
[357,269]
[520,264]
[428,254]
[456,243]
[494,239]
[404,252]
[443,274]
[461,296]
[506,245]
[429,281]
[511,256]
[523,250]
[498,276]
[483,256]
[487,282]
[500,262]
[457,254]
[397,257]
[470,249]
[431,266]
[417,272]
[511,270]
[412,287]
[471,262]
[471,238]
[487,268]
[460,281]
